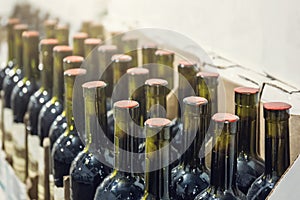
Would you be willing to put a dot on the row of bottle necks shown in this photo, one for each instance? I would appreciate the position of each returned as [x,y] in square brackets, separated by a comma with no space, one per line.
[169,163]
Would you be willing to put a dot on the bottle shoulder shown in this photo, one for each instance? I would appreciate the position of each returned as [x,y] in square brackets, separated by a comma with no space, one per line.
[261,187]
[116,186]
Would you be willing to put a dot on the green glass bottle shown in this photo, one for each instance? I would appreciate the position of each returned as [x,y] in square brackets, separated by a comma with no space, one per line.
[61,33]
[97,31]
[165,68]
[86,171]
[130,46]
[277,149]
[54,106]
[156,98]
[16,73]
[10,43]
[223,160]
[69,144]
[49,26]
[191,176]
[148,54]
[78,43]
[122,183]
[157,170]
[249,164]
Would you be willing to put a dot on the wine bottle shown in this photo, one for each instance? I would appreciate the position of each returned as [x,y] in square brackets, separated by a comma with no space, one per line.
[85,26]
[187,71]
[10,43]
[97,31]
[59,125]
[223,160]
[122,183]
[37,100]
[61,33]
[156,102]
[249,164]
[14,75]
[136,90]
[68,145]
[120,64]
[277,149]
[49,26]
[191,176]
[165,60]
[157,170]
[105,53]
[54,106]
[207,87]
[148,54]
[78,43]
[86,171]
[20,97]
[130,45]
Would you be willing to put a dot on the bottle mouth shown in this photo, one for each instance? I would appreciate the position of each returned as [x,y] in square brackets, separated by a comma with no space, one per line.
[195,100]
[62,48]
[50,41]
[121,58]
[80,35]
[280,106]
[225,117]
[75,72]
[137,71]
[187,64]
[246,90]
[92,41]
[126,104]
[104,48]
[157,122]
[94,84]
[164,53]
[207,74]
[73,59]
[156,82]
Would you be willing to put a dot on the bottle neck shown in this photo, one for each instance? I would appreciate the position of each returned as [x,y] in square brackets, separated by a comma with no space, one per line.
[18,45]
[194,125]
[157,182]
[148,55]
[31,58]
[10,43]
[156,102]
[58,76]
[46,75]
[247,136]
[69,83]
[277,147]
[209,90]
[186,85]
[224,159]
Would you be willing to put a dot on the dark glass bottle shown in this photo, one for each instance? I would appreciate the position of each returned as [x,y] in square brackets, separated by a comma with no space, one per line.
[121,63]
[97,31]
[54,106]
[78,43]
[49,26]
[68,145]
[122,183]
[136,90]
[277,149]
[191,176]
[157,169]
[223,160]
[44,94]
[165,60]
[61,33]
[29,84]
[11,47]
[16,73]
[60,123]
[156,100]
[130,46]
[86,171]
[148,54]
[249,165]
[207,87]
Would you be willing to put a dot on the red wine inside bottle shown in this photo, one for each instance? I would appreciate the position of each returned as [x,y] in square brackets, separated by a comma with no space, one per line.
[54,106]
[44,94]
[122,183]
[69,144]
[10,43]
[277,149]
[249,165]
[191,176]
[28,85]
[16,73]
[86,171]
[223,160]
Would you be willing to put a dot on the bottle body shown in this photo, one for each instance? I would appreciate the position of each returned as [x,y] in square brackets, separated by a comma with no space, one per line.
[57,128]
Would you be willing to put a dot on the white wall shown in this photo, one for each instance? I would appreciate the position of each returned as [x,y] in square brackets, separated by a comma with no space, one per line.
[264,35]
